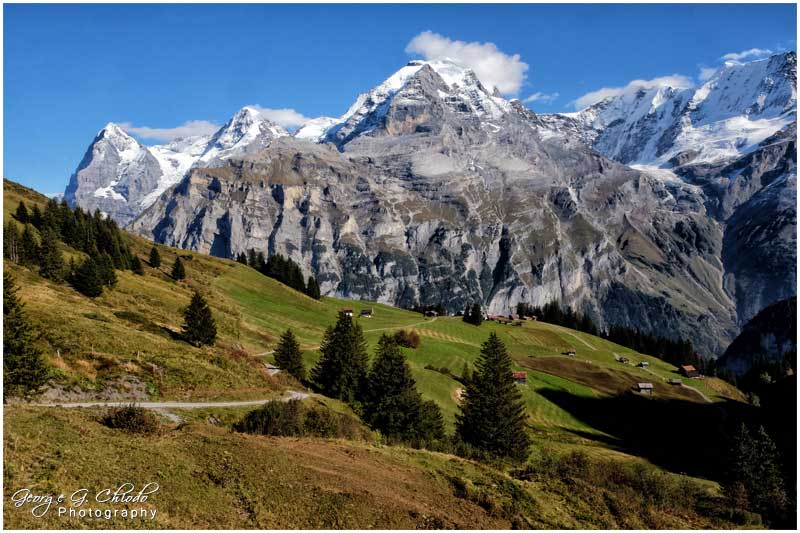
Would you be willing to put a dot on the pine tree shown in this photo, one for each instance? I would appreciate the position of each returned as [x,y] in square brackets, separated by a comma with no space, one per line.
[155,258]
[29,248]
[493,417]
[51,261]
[199,327]
[342,368]
[105,269]
[21,214]
[467,312]
[36,217]
[24,368]
[241,258]
[430,426]
[178,272]
[11,242]
[136,265]
[312,289]
[288,356]
[391,402]
[87,280]
[754,476]
[476,316]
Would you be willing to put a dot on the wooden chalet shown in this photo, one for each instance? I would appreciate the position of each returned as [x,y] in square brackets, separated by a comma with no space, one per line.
[644,388]
[520,378]
[688,371]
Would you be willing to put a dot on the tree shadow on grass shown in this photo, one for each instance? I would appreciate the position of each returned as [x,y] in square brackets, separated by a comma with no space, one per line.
[681,436]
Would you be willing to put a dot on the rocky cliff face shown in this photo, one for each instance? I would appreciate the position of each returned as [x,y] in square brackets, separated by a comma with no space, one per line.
[432,190]
[122,177]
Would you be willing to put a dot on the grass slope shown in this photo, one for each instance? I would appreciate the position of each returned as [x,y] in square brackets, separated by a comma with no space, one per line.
[124,345]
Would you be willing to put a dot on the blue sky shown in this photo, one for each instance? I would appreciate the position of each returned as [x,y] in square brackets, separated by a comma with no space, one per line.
[68,70]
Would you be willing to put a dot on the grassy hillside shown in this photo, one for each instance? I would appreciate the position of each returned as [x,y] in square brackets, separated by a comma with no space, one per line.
[212,478]
[125,345]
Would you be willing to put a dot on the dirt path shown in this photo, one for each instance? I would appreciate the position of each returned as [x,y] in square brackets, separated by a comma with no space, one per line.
[404,326]
[293,395]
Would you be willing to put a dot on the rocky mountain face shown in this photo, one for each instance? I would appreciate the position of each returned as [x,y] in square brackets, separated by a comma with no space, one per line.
[770,335]
[122,177]
[431,189]
[735,138]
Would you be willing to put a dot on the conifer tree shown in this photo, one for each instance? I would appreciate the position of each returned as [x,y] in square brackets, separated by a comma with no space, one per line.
[391,403]
[241,258]
[51,261]
[288,356]
[342,368]
[29,248]
[467,315]
[178,272]
[136,265]
[105,269]
[36,217]
[493,417]
[312,288]
[754,474]
[87,280]
[21,214]
[24,368]
[476,316]
[430,426]
[11,242]
[199,326]
[155,258]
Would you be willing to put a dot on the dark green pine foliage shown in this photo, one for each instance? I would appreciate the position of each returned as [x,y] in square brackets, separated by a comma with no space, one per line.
[29,248]
[392,404]
[241,258]
[288,356]
[493,417]
[476,316]
[24,369]
[342,368]
[105,269]
[430,426]
[466,316]
[87,279]
[21,214]
[155,258]
[754,477]
[312,288]
[178,271]
[36,217]
[51,261]
[199,326]
[136,265]
[12,242]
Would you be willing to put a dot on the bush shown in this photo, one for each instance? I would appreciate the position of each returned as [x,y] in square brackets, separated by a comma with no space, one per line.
[294,419]
[407,339]
[131,419]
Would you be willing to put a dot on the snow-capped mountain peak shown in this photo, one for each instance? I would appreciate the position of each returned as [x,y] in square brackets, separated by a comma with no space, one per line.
[740,106]
[461,85]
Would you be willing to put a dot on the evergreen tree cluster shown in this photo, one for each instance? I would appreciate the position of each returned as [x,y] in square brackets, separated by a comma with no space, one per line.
[24,368]
[473,315]
[754,481]
[282,269]
[386,394]
[676,352]
[438,309]
[97,236]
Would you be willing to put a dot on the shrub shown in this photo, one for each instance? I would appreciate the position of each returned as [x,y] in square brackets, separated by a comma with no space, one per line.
[132,419]
[407,339]
[294,419]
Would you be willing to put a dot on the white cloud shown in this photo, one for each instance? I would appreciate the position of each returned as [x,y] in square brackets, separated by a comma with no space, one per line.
[706,73]
[493,67]
[541,97]
[677,81]
[187,129]
[288,118]
[746,54]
